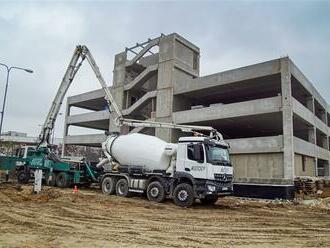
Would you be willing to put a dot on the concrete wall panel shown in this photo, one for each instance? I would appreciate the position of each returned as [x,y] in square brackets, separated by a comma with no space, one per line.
[254,107]
[269,144]
[184,53]
[267,166]
[227,77]
[309,165]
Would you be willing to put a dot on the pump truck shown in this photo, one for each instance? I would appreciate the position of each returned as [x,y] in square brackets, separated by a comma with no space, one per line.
[56,171]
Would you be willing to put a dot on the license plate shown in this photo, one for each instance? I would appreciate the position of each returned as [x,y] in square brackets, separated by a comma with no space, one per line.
[225,188]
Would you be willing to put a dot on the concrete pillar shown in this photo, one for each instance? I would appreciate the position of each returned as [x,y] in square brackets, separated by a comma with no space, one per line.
[325,143]
[119,76]
[164,100]
[310,103]
[315,167]
[66,126]
[324,116]
[312,135]
[178,60]
[288,153]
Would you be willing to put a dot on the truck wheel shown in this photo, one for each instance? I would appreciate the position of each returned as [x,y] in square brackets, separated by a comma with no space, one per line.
[209,200]
[183,195]
[62,180]
[108,185]
[52,181]
[23,176]
[122,187]
[156,192]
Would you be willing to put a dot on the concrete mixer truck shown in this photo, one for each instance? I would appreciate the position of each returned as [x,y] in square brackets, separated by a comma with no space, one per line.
[197,167]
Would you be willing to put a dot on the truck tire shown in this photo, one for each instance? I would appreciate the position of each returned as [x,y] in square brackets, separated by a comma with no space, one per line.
[23,176]
[108,185]
[156,192]
[62,180]
[183,195]
[52,181]
[122,188]
[209,200]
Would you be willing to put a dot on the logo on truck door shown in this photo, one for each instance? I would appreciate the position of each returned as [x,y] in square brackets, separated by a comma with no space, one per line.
[197,168]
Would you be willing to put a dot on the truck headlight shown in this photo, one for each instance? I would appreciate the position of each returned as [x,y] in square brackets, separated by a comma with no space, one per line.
[211,188]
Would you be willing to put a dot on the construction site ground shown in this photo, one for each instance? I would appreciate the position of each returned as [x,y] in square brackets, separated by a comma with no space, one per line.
[60,218]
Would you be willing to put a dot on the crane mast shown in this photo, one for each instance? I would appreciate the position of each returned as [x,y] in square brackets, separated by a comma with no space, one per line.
[80,54]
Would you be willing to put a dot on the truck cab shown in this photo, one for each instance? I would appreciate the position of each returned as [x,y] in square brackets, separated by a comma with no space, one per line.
[206,162]
[24,151]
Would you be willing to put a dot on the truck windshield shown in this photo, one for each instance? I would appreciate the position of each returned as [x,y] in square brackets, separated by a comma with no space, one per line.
[217,154]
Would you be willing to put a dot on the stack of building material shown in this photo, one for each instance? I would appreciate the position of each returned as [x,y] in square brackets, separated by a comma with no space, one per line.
[320,184]
[299,184]
[310,187]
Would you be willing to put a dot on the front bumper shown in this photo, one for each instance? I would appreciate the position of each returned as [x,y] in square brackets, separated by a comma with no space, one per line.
[214,188]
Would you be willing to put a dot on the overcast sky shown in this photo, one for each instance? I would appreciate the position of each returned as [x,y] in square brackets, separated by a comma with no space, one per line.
[42,36]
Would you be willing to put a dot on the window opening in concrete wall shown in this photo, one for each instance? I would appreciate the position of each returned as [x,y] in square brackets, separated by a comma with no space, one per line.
[302,95]
[320,111]
[303,164]
[75,110]
[241,91]
[195,61]
[302,129]
[321,139]
[322,168]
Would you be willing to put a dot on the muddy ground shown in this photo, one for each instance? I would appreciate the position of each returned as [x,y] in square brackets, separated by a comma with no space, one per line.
[60,218]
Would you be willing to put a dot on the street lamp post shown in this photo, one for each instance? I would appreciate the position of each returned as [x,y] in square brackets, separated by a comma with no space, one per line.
[9,68]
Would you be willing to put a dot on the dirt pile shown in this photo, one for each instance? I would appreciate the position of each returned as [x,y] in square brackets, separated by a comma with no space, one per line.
[19,193]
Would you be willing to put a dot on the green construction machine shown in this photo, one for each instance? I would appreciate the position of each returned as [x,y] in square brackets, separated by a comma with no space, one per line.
[56,171]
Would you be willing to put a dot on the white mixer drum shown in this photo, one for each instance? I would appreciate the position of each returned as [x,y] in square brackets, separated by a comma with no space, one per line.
[139,150]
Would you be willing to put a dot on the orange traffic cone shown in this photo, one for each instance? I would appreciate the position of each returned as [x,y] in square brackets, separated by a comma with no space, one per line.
[75,189]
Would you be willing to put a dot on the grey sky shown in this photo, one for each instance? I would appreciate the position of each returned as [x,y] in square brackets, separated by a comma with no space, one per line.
[42,36]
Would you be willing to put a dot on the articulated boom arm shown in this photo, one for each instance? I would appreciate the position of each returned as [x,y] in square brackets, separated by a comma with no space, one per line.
[213,133]
[79,55]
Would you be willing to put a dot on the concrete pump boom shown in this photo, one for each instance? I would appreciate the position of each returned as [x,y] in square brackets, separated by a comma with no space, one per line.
[80,54]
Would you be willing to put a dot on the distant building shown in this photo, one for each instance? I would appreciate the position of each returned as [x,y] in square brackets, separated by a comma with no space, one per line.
[10,140]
